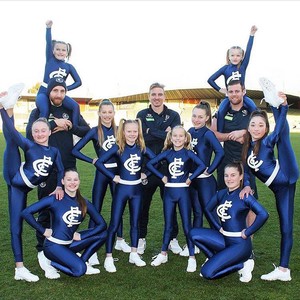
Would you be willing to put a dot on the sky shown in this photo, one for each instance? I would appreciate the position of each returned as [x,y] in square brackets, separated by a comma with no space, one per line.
[121,47]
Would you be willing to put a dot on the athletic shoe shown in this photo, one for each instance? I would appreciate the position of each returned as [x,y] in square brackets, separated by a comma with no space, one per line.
[90,270]
[109,265]
[185,251]
[24,274]
[159,259]
[246,271]
[134,258]
[42,260]
[12,96]
[122,246]
[192,265]
[93,261]
[45,264]
[52,273]
[270,92]
[277,274]
[174,246]
[141,246]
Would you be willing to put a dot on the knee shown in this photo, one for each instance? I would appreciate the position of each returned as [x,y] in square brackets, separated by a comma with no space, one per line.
[79,269]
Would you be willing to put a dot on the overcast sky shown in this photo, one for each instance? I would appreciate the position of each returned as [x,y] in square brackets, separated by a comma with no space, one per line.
[121,47]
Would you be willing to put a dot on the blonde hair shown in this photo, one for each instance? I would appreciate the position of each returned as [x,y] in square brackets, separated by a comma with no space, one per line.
[121,141]
[228,53]
[168,143]
[113,123]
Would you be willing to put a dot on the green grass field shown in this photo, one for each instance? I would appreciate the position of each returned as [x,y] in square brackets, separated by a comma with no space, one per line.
[169,281]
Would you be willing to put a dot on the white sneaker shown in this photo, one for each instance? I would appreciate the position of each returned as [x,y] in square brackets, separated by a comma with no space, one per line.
[192,265]
[94,260]
[270,92]
[109,265]
[90,270]
[277,274]
[185,251]
[24,274]
[141,246]
[174,246]
[246,271]
[159,259]
[134,258]
[45,264]
[12,96]
[121,245]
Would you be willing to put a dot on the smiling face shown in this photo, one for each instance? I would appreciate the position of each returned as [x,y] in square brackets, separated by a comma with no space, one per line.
[57,95]
[71,182]
[106,114]
[41,132]
[199,117]
[157,98]
[60,51]
[235,55]
[232,178]
[235,94]
[178,138]
[257,128]
[131,133]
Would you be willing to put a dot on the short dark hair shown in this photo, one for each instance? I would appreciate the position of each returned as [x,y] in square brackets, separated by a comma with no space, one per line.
[234,82]
[156,85]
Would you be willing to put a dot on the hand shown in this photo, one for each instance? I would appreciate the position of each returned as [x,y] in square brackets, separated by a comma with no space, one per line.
[76,236]
[246,191]
[168,129]
[283,97]
[223,91]
[94,160]
[116,179]
[253,30]
[49,23]
[59,193]
[188,181]
[143,176]
[64,124]
[48,232]
[236,135]
[165,179]
[243,234]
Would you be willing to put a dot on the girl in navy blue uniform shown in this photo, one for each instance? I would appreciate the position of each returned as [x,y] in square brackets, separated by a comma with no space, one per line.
[235,69]
[280,175]
[56,66]
[228,246]
[129,152]
[103,138]
[63,243]
[180,160]
[21,178]
[204,144]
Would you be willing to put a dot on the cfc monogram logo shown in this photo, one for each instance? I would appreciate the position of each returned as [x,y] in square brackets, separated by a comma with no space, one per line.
[194,142]
[222,211]
[58,73]
[109,142]
[234,76]
[71,216]
[174,167]
[131,164]
[41,166]
[253,163]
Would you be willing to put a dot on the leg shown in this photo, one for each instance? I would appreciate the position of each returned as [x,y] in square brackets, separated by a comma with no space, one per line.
[43,104]
[73,106]
[223,109]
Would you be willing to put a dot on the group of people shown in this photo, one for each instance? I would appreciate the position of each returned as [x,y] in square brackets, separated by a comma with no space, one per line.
[136,158]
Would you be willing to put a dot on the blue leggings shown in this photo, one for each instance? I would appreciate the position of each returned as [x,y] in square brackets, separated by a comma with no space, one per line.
[65,259]
[101,182]
[180,196]
[225,255]
[43,104]
[124,193]
[201,191]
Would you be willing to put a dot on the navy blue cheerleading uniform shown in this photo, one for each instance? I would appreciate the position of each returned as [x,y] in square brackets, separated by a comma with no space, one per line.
[202,189]
[57,68]
[233,72]
[227,251]
[101,182]
[129,167]
[66,217]
[154,131]
[21,178]
[63,141]
[280,175]
[176,191]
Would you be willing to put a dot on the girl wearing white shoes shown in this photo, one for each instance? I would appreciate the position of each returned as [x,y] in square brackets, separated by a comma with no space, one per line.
[228,246]
[180,160]
[103,138]
[63,242]
[280,175]
[21,178]
[129,152]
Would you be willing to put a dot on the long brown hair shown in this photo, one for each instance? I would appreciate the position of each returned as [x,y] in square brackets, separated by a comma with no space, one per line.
[247,138]
[168,143]
[121,141]
[113,123]
[205,106]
